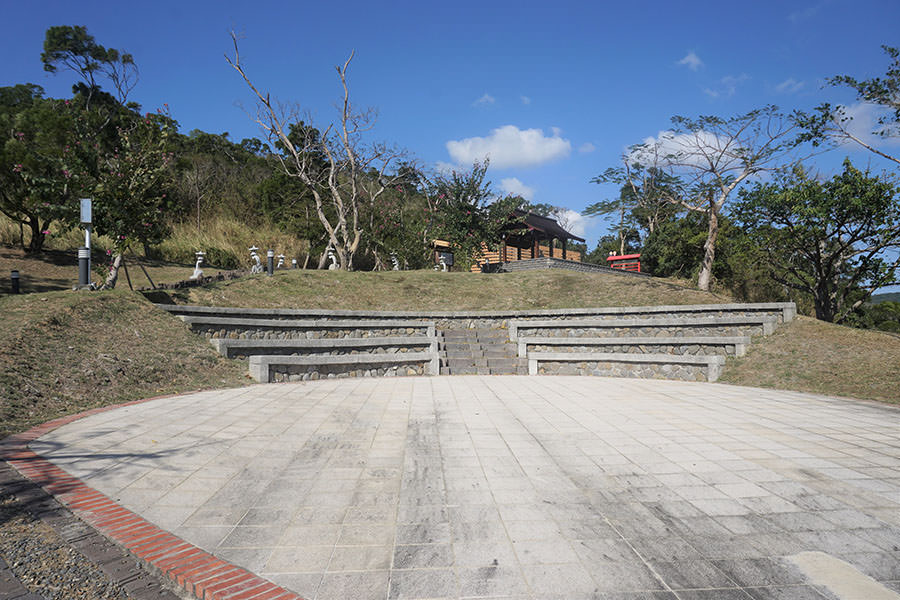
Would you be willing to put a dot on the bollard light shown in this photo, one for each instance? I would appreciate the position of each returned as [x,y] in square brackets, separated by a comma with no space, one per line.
[84,268]
[270,260]
[14,280]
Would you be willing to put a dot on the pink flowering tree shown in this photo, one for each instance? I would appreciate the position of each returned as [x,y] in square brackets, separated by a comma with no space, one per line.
[466,213]
[130,191]
[41,176]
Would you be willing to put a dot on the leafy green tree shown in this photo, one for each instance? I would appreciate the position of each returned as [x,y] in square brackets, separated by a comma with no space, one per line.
[41,173]
[614,243]
[129,194]
[465,213]
[712,156]
[74,49]
[647,196]
[827,239]
[830,123]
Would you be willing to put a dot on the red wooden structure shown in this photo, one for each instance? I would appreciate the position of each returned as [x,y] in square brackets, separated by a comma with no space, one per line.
[625,262]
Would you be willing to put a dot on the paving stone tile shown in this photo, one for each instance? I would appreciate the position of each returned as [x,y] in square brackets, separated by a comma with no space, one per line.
[490,582]
[623,576]
[792,592]
[423,556]
[760,572]
[298,559]
[360,558]
[365,585]
[566,580]
[691,574]
[491,553]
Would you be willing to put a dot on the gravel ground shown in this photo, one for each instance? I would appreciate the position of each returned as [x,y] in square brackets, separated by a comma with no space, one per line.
[44,563]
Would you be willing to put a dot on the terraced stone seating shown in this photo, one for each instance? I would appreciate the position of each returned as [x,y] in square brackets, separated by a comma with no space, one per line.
[674,342]
[299,349]
[689,342]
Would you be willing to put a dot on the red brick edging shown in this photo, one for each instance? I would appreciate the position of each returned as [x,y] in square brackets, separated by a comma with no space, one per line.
[192,569]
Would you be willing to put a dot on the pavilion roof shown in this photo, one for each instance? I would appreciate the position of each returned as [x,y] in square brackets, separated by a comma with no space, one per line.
[547,226]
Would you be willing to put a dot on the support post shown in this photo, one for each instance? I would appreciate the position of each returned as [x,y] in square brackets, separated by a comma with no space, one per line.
[14,281]
[270,262]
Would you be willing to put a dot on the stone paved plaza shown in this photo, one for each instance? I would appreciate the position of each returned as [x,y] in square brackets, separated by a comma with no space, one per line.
[514,487]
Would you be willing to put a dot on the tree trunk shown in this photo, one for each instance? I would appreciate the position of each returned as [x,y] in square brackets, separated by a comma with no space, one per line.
[113,275]
[37,238]
[709,250]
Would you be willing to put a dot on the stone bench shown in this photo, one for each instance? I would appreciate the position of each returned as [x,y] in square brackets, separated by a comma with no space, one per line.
[690,326]
[285,329]
[235,348]
[678,346]
[272,368]
[660,366]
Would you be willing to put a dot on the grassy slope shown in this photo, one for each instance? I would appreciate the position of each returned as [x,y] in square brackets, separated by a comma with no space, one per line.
[64,352]
[429,290]
[812,356]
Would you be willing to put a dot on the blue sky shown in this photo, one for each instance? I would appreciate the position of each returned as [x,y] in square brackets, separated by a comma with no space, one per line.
[555,91]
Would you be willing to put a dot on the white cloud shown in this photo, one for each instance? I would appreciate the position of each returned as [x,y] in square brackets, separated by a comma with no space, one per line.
[514,187]
[571,221]
[525,100]
[691,61]
[727,86]
[789,86]
[586,148]
[509,146]
[486,99]
[863,124]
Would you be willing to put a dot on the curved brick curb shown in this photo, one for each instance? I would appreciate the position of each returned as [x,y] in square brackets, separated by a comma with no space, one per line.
[190,568]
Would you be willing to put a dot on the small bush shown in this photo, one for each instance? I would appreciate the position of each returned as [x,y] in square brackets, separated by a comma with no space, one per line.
[222,259]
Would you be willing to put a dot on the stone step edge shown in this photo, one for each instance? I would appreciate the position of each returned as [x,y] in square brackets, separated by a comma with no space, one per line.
[714,364]
[260,365]
[310,323]
[740,343]
[224,345]
[789,310]
[768,323]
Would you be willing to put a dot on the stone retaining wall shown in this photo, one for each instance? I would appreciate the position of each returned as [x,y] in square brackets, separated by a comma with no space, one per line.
[634,370]
[648,331]
[676,349]
[282,373]
[545,262]
[282,351]
[250,332]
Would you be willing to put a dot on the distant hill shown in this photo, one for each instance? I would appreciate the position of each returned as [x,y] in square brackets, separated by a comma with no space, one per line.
[886,297]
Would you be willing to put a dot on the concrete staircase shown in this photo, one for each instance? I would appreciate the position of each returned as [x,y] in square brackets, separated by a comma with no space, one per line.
[479,352]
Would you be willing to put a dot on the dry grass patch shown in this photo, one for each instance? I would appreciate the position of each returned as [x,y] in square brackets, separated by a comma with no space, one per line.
[65,352]
[813,356]
[430,290]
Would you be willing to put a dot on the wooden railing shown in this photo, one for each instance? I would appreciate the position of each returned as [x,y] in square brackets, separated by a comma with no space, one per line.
[526,254]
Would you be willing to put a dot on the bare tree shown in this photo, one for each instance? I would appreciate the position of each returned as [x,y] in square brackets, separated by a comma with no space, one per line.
[712,156]
[337,167]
